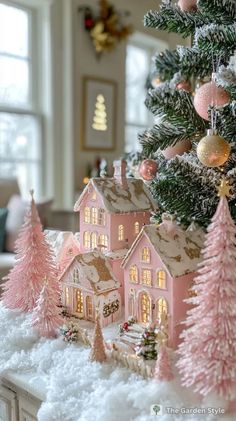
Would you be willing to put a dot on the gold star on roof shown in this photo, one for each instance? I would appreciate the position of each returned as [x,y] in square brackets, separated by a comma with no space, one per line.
[224,188]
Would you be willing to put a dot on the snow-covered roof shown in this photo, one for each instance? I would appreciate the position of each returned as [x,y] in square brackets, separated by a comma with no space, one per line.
[97,270]
[57,239]
[117,254]
[133,196]
[180,252]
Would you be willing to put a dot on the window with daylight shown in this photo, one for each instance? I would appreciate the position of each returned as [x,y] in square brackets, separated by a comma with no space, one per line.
[94,216]
[121,233]
[76,276]
[162,306]
[101,217]
[87,215]
[20,121]
[161,279]
[146,277]
[140,50]
[87,239]
[146,255]
[136,228]
[133,274]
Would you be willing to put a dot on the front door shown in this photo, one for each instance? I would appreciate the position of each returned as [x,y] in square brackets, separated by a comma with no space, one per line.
[89,307]
[79,303]
[145,308]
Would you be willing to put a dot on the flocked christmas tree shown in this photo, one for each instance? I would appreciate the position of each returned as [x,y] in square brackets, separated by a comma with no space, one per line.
[208,353]
[98,352]
[34,262]
[185,94]
[146,347]
[46,317]
[163,370]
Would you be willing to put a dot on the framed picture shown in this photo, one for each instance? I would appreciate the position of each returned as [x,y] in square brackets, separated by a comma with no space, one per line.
[98,116]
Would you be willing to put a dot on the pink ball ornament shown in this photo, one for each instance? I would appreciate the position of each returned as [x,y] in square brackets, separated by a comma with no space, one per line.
[178,149]
[209,94]
[148,169]
[188,5]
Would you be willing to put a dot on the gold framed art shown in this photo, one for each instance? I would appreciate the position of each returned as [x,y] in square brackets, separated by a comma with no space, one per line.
[98,114]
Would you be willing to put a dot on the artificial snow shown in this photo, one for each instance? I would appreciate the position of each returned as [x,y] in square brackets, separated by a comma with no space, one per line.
[75,389]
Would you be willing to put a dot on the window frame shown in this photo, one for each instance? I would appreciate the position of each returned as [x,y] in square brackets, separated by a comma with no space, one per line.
[121,232]
[133,274]
[145,271]
[158,279]
[146,257]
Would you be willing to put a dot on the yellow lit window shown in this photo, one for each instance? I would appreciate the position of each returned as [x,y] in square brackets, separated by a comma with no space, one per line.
[146,255]
[76,276]
[121,233]
[93,240]
[94,195]
[133,274]
[101,217]
[94,216]
[146,277]
[67,297]
[87,239]
[161,279]
[103,242]
[79,302]
[87,215]
[145,308]
[162,306]
[136,228]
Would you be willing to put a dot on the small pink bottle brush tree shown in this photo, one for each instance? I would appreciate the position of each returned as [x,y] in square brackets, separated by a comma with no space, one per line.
[208,351]
[98,352]
[163,370]
[34,262]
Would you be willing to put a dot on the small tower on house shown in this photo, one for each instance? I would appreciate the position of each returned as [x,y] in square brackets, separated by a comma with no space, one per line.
[120,172]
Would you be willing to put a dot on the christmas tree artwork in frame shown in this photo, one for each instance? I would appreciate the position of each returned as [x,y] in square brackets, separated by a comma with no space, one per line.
[158,271]
[34,261]
[183,185]
[207,353]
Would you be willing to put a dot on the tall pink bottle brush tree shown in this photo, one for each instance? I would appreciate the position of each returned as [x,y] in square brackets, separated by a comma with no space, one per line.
[208,351]
[34,262]
[46,318]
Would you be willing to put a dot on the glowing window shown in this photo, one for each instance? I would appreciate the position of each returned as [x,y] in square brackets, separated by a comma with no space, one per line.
[162,306]
[94,216]
[133,274]
[67,297]
[136,228]
[94,195]
[161,279]
[145,308]
[146,277]
[146,255]
[76,276]
[87,215]
[87,239]
[94,240]
[79,302]
[121,233]
[103,242]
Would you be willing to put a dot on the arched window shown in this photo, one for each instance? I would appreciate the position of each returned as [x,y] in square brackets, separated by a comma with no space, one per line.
[94,216]
[87,215]
[133,274]
[94,195]
[146,277]
[146,255]
[145,308]
[162,306]
[67,297]
[161,279]
[103,242]
[79,302]
[94,241]
[87,239]
[101,217]
[136,228]
[121,233]
[76,275]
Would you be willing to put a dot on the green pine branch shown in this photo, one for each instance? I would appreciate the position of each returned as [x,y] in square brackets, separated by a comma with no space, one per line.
[223,11]
[215,38]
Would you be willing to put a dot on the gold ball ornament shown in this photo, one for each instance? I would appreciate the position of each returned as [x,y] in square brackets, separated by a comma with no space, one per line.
[213,150]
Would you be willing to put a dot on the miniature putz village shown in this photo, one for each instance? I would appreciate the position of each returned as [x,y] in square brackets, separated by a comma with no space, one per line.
[120,264]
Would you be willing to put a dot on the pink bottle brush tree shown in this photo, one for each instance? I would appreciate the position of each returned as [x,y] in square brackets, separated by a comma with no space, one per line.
[34,262]
[46,317]
[98,352]
[208,351]
[163,370]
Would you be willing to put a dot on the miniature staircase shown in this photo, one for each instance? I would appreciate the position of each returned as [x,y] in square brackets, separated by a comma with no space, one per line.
[132,337]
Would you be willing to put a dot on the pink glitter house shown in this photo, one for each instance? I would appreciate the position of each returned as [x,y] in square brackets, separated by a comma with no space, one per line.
[112,213]
[158,274]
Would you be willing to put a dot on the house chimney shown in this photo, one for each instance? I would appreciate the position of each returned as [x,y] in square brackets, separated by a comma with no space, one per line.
[120,172]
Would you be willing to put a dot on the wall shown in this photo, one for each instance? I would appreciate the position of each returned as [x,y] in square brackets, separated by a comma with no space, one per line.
[73,57]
